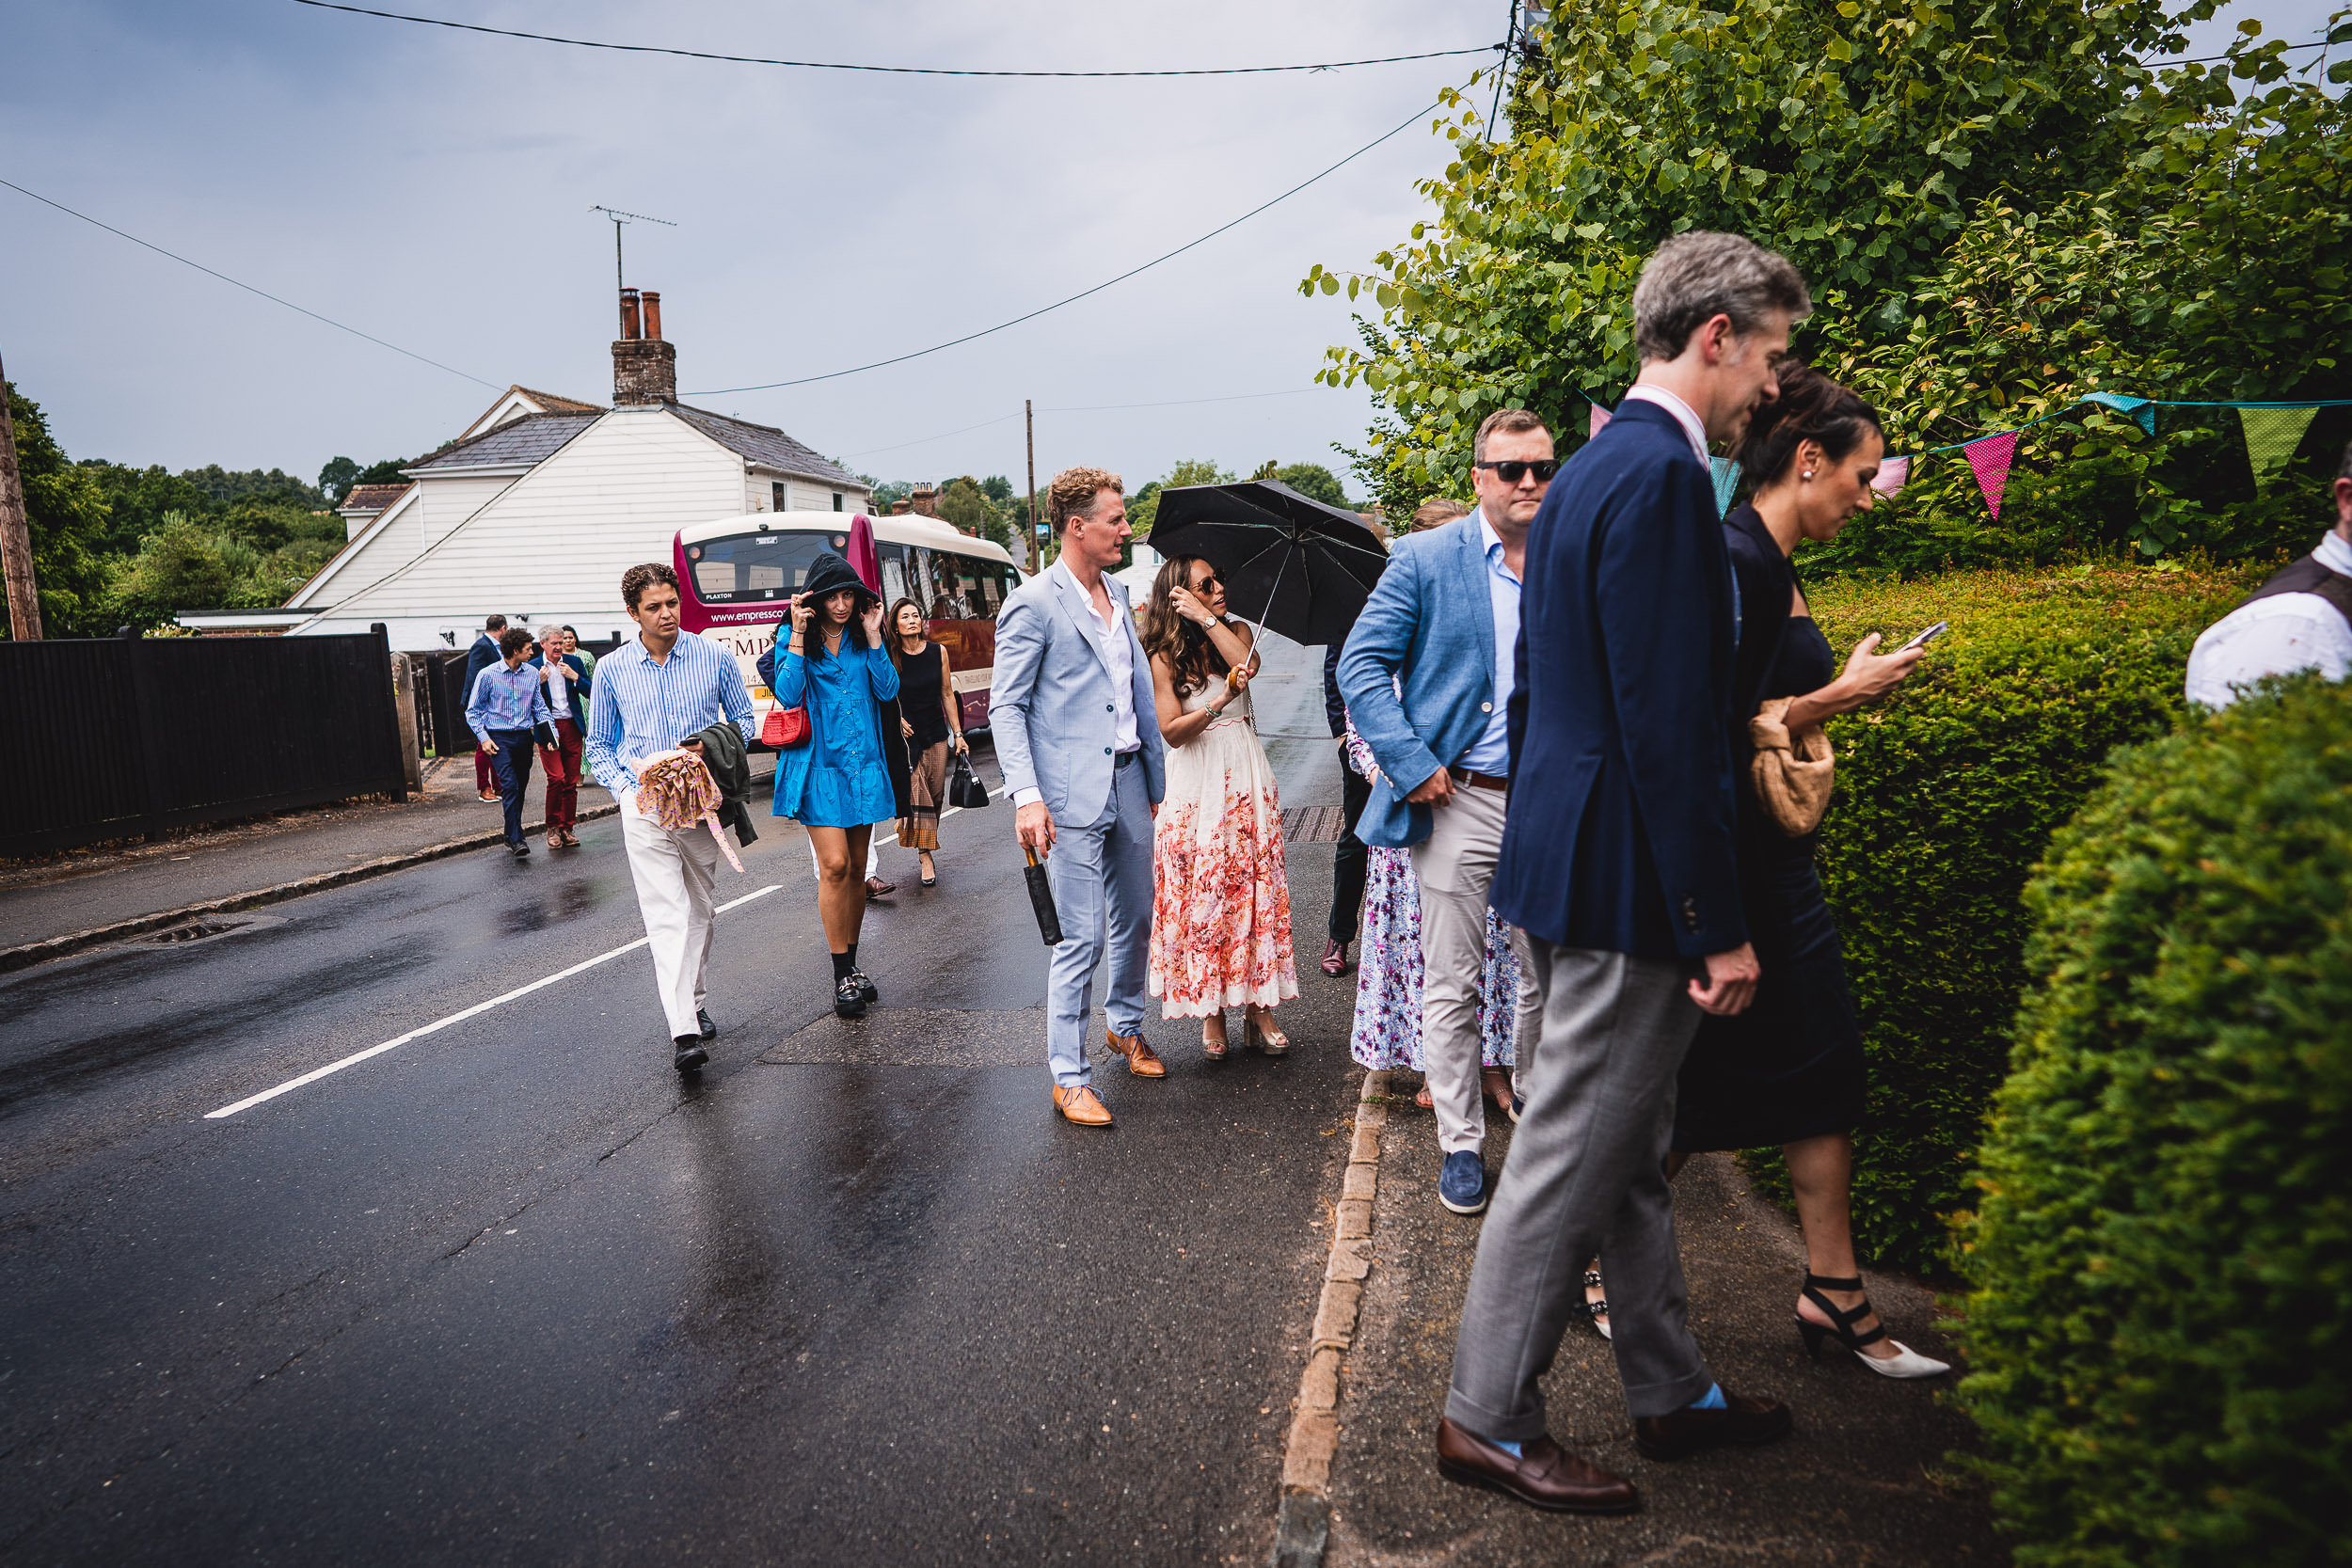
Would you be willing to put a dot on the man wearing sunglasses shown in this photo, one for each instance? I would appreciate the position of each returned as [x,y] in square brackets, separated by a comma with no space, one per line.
[1427,677]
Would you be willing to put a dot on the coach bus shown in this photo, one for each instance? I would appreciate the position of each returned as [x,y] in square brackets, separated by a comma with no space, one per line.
[739,574]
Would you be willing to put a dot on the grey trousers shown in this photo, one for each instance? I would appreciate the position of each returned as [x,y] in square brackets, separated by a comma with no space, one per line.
[1100,873]
[1584,1178]
[1453,870]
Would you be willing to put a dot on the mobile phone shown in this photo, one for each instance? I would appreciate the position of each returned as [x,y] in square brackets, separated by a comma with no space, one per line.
[1926,636]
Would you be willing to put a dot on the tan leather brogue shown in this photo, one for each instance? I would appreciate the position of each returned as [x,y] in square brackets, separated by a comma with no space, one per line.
[1079,1103]
[1141,1061]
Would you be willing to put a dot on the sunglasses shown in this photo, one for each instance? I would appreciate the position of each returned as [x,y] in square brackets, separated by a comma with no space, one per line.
[1512,472]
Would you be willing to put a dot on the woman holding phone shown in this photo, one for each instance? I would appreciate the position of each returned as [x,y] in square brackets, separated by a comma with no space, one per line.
[1789,1069]
[931,727]
[837,783]
[1220,896]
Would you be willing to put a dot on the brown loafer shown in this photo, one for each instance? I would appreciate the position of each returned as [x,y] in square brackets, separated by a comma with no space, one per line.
[1079,1103]
[1141,1061]
[1745,1422]
[876,888]
[1545,1475]
[1335,959]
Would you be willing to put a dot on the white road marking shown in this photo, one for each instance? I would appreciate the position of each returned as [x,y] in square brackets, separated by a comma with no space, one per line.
[357,1056]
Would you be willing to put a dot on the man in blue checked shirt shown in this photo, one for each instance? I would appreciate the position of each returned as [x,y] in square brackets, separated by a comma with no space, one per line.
[656,692]
[505,710]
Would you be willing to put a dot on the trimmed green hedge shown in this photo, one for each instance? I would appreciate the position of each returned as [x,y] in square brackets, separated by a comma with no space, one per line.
[2161,1323]
[1948,793]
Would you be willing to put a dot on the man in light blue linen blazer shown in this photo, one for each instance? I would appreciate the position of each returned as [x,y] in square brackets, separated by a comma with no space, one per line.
[1078,737]
[1427,675]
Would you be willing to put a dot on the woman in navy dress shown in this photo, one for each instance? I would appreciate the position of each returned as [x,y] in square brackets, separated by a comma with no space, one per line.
[837,782]
[1789,1071]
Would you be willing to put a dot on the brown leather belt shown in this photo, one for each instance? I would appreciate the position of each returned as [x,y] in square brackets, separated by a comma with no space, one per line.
[1479,780]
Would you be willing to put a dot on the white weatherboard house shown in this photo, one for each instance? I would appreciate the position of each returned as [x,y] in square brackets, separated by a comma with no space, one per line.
[537,510]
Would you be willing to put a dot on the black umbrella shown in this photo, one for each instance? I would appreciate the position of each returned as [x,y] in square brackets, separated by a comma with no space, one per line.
[1288,561]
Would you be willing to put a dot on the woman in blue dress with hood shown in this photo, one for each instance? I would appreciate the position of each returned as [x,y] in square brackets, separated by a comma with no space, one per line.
[837,782]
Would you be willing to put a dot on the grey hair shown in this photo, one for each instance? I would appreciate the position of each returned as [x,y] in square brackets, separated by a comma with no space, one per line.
[1698,276]
[2344,469]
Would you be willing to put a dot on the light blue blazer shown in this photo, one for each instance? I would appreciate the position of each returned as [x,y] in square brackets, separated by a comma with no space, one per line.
[1050,700]
[1428,630]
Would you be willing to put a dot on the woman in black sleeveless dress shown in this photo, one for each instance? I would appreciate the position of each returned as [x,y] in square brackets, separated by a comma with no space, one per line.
[1789,1071]
[929,720]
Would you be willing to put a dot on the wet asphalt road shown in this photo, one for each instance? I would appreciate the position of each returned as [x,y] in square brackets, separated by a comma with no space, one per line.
[510,1294]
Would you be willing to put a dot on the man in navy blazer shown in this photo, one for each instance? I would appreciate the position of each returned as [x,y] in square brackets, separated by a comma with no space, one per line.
[1617,864]
[1427,675]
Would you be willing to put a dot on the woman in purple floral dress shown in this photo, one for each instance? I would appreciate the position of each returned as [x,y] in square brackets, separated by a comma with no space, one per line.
[1388,980]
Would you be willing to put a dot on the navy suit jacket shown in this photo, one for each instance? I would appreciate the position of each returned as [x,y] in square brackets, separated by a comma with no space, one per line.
[1621,834]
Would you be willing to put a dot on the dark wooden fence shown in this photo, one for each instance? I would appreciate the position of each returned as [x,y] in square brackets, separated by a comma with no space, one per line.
[441,687]
[124,737]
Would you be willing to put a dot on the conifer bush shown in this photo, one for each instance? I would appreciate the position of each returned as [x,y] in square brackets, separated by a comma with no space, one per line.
[2160,1324]
[1948,794]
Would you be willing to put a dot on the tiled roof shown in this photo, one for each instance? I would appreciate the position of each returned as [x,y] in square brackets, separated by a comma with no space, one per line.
[767,445]
[372,498]
[530,439]
[554,404]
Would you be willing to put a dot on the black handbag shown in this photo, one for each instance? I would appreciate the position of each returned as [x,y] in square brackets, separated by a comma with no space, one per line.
[1041,900]
[965,790]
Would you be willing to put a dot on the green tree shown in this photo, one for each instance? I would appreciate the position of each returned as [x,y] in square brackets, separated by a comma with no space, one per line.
[182,566]
[65,512]
[252,484]
[964,505]
[337,478]
[1891,149]
[136,499]
[386,472]
[1314,481]
[1144,505]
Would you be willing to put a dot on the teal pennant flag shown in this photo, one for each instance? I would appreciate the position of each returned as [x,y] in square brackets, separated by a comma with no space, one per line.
[1726,481]
[2138,408]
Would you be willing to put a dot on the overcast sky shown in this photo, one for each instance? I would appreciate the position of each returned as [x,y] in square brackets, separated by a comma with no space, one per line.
[432,188]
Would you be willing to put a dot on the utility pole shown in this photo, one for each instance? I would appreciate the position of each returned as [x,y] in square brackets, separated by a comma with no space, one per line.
[16,538]
[1028,416]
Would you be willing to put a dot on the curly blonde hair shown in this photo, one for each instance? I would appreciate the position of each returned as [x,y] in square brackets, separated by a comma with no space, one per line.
[1072,492]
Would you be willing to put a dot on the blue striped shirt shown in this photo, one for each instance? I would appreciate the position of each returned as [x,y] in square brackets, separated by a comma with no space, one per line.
[507,700]
[640,707]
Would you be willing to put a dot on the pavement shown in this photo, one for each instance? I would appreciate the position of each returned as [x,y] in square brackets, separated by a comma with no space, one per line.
[508,1291]
[83,889]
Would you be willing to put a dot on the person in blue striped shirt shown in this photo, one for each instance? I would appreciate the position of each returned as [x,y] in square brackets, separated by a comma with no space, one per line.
[657,692]
[505,710]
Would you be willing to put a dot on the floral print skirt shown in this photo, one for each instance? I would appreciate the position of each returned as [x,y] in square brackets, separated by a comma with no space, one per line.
[1220,899]
[1388,974]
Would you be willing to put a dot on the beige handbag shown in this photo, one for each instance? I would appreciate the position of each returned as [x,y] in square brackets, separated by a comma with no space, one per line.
[1792,774]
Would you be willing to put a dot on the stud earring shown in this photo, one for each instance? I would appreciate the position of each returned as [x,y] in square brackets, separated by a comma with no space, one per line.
[1808,473]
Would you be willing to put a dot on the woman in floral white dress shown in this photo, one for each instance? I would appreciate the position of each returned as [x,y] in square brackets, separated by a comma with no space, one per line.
[1220,905]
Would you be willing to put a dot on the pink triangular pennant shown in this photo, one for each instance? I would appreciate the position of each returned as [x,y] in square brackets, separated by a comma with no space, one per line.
[1600,419]
[1990,459]
[1894,473]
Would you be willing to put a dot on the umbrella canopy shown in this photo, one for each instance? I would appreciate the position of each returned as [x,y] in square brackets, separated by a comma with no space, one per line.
[863,558]
[1289,562]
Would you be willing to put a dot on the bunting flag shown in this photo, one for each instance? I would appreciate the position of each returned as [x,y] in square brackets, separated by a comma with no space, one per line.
[1989,459]
[2138,408]
[2272,434]
[1726,481]
[1601,422]
[1894,473]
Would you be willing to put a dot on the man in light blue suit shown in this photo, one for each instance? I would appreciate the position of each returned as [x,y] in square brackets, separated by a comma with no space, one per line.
[1427,677]
[1079,740]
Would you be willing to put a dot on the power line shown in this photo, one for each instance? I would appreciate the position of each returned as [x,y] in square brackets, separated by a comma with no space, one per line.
[884,69]
[247,287]
[1079,408]
[2207,60]
[969,336]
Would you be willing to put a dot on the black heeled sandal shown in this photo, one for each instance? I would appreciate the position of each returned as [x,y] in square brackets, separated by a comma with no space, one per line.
[1840,1320]
[1905,1363]
[1597,1310]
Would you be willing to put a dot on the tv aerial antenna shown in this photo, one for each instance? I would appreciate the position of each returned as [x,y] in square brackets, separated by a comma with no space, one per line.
[619,219]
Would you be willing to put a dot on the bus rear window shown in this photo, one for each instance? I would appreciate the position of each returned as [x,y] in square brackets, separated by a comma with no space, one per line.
[752,569]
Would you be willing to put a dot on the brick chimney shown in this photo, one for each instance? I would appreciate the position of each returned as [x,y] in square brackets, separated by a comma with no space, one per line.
[925,500]
[644,368]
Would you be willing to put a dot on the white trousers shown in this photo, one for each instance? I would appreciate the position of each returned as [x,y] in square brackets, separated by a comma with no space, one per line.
[673,872]
[1455,868]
